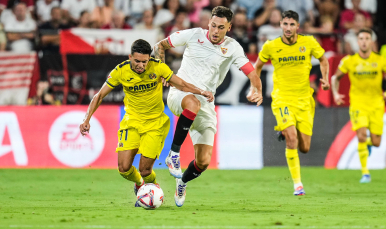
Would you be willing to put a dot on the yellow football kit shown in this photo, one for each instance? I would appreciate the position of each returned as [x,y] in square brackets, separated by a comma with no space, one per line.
[292,102]
[145,125]
[366,97]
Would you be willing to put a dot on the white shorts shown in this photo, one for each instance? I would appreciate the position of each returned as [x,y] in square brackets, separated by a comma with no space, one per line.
[204,125]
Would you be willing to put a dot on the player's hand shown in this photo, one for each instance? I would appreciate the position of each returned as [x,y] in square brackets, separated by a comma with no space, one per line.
[255,97]
[338,98]
[84,128]
[325,84]
[165,83]
[208,95]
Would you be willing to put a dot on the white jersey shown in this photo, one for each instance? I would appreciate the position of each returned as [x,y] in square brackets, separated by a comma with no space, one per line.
[204,64]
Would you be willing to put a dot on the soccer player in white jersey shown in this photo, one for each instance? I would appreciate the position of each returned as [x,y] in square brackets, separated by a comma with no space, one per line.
[206,60]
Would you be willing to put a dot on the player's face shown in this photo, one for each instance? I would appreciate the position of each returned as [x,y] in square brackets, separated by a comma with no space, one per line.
[139,62]
[289,26]
[364,42]
[218,27]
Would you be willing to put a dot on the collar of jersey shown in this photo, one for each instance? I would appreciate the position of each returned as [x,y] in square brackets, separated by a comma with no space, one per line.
[281,38]
[207,36]
[365,58]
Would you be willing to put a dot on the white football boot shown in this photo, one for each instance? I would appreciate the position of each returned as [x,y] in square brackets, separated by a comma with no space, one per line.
[179,196]
[173,163]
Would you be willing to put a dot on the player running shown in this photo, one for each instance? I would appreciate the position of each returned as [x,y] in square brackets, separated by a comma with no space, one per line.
[206,60]
[365,70]
[145,126]
[292,102]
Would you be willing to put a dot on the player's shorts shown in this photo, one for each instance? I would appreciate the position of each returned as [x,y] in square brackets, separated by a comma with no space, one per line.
[371,119]
[302,119]
[147,136]
[204,125]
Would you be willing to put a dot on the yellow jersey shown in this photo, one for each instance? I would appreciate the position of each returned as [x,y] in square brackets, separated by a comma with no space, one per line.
[143,92]
[292,66]
[366,79]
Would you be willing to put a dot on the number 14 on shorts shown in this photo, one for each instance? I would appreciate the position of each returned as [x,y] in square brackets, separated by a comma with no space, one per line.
[284,112]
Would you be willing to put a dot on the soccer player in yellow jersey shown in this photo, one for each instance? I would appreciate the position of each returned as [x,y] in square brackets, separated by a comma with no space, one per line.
[292,102]
[145,126]
[365,70]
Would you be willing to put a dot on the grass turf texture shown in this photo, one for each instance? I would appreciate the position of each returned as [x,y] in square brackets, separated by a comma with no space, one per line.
[90,198]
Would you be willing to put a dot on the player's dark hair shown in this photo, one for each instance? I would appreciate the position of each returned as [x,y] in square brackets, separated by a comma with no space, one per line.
[290,14]
[369,31]
[141,46]
[222,11]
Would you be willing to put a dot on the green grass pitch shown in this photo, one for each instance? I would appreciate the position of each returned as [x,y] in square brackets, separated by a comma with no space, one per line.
[77,198]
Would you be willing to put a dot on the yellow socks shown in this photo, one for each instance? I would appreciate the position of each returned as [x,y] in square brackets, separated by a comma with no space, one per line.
[151,178]
[132,175]
[369,142]
[293,164]
[363,155]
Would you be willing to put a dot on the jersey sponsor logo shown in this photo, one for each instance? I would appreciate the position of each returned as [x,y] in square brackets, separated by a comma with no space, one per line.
[129,79]
[366,74]
[201,42]
[224,50]
[279,50]
[152,76]
[143,87]
[292,58]
[302,49]
[67,144]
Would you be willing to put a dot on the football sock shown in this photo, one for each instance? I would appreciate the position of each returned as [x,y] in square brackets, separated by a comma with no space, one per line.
[192,172]
[363,155]
[182,128]
[150,178]
[293,164]
[369,142]
[132,175]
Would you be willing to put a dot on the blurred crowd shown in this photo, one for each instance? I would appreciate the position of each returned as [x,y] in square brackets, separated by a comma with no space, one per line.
[34,24]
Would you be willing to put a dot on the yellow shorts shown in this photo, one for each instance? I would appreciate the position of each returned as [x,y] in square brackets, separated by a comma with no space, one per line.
[147,136]
[302,119]
[371,119]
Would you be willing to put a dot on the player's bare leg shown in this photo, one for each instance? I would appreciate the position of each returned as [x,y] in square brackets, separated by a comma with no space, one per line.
[127,170]
[304,142]
[363,152]
[203,155]
[190,105]
[146,169]
[291,153]
[375,139]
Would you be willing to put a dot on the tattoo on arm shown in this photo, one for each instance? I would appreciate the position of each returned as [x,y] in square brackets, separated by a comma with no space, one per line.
[159,49]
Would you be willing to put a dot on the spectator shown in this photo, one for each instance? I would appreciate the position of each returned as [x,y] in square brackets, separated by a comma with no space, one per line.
[20,29]
[103,15]
[303,7]
[43,9]
[205,16]
[350,38]
[73,8]
[122,5]
[194,9]
[147,24]
[239,30]
[178,23]
[159,4]
[85,20]
[250,6]
[328,8]
[136,9]
[272,30]
[367,5]
[44,95]
[347,17]
[6,8]
[3,39]
[49,31]
[212,4]
[325,34]
[263,14]
[165,15]
[117,21]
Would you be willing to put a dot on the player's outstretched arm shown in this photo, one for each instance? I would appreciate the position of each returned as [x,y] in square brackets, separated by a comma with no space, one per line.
[338,98]
[159,49]
[94,104]
[181,85]
[324,68]
[255,93]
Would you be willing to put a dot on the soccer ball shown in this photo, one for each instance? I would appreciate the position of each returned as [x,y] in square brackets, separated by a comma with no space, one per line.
[150,196]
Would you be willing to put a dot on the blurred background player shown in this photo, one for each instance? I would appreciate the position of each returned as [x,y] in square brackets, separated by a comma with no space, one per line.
[206,60]
[145,126]
[365,70]
[292,101]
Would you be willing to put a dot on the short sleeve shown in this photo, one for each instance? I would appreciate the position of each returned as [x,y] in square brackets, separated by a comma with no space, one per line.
[166,72]
[114,76]
[181,38]
[343,65]
[264,53]
[241,61]
[384,65]
[316,50]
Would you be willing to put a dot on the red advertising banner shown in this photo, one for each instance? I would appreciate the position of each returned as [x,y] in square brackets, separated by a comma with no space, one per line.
[41,137]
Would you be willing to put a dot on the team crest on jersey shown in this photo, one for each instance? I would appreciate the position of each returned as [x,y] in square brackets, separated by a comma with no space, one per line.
[302,49]
[224,50]
[152,76]
[374,65]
